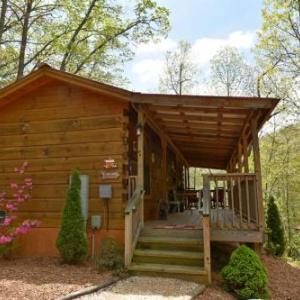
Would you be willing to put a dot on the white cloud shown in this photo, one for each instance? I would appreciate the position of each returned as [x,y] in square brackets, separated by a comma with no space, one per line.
[205,48]
[149,63]
[156,47]
[147,72]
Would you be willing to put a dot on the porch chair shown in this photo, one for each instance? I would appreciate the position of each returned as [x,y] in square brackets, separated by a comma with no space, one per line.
[175,202]
[221,195]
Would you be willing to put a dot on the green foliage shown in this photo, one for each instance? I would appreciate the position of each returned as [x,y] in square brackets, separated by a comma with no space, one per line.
[280,158]
[293,249]
[278,52]
[275,232]
[72,241]
[110,257]
[10,250]
[245,274]
[92,38]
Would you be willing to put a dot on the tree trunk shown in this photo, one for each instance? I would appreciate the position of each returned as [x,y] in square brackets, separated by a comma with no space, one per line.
[180,78]
[24,38]
[74,36]
[2,18]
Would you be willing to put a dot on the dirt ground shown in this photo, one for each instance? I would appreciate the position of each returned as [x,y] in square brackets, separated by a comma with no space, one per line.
[44,278]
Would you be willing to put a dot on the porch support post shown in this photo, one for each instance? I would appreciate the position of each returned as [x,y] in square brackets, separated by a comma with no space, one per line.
[257,169]
[185,177]
[206,226]
[239,158]
[164,168]
[245,155]
[140,159]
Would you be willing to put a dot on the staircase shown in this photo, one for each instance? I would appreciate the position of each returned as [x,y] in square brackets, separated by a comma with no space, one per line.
[170,253]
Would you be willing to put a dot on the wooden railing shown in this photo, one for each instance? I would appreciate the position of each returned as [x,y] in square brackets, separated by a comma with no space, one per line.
[132,181]
[232,200]
[134,222]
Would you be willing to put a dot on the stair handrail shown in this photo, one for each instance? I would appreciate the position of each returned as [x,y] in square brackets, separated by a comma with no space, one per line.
[134,222]
[135,199]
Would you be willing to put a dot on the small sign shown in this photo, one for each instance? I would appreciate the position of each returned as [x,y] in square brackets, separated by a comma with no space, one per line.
[110,164]
[110,174]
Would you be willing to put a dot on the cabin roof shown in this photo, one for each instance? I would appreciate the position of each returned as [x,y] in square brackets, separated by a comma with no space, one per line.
[205,129]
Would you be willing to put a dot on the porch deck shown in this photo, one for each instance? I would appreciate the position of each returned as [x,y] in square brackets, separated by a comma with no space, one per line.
[225,225]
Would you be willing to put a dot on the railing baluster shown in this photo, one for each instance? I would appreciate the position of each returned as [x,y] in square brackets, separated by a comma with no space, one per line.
[225,198]
[217,201]
[232,201]
[240,202]
[248,202]
[255,202]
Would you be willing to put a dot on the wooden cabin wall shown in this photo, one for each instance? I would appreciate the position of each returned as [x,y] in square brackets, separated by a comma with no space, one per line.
[153,174]
[132,142]
[58,128]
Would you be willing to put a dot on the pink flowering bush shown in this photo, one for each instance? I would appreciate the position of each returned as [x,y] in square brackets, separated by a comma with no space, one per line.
[11,229]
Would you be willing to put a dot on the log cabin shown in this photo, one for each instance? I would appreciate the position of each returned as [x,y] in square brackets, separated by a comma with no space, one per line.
[134,151]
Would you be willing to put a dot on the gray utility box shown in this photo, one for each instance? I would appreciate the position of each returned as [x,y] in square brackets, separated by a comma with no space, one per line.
[105,191]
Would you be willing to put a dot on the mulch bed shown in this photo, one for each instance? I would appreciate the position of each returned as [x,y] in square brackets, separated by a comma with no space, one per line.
[284,282]
[44,278]
[284,279]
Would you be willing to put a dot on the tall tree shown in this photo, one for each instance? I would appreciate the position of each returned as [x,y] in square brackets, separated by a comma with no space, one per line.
[3,12]
[278,52]
[87,37]
[230,74]
[280,156]
[180,73]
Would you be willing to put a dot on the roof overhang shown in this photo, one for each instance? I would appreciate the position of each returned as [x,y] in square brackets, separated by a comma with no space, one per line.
[206,129]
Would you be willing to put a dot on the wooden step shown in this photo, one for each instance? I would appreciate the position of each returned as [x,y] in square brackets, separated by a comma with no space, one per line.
[192,273]
[169,243]
[187,233]
[190,258]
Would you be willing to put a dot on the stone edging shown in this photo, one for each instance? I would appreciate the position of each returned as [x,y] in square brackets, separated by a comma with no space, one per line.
[90,289]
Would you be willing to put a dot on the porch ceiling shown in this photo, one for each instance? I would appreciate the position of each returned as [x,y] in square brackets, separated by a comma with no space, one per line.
[206,129]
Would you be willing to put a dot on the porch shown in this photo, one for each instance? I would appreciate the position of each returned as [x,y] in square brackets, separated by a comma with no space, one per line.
[175,133]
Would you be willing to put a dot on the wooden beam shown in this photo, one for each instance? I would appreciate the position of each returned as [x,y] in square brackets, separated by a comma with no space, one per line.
[257,169]
[161,132]
[183,124]
[242,135]
[201,135]
[204,101]
[238,113]
[198,132]
[199,118]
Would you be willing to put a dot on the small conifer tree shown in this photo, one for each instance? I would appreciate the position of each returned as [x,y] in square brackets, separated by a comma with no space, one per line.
[72,241]
[275,232]
[245,275]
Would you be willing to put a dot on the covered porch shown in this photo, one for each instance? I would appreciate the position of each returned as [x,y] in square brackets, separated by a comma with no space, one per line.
[219,134]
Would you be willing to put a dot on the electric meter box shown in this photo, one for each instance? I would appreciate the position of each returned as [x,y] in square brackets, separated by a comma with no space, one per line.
[96,222]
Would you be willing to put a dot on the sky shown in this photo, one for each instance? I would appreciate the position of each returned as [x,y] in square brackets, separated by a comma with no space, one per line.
[208,25]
